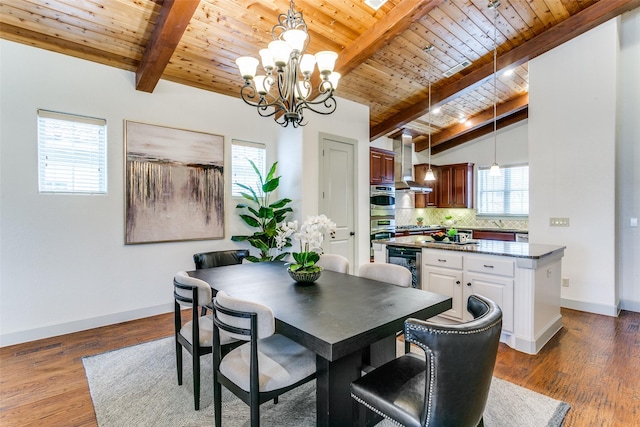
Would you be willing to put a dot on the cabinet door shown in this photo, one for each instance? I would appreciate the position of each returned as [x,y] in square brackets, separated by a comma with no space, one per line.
[388,168]
[445,190]
[447,282]
[462,185]
[375,167]
[381,166]
[497,289]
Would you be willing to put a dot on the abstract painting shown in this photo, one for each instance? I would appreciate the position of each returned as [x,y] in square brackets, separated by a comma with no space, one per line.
[174,184]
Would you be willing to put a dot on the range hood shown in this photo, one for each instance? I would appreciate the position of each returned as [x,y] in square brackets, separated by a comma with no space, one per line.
[403,167]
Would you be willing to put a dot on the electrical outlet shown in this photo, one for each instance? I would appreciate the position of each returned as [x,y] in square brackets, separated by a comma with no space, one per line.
[559,222]
[565,282]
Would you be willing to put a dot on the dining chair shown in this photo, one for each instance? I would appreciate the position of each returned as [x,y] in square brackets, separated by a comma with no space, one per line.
[390,273]
[334,262]
[219,258]
[196,335]
[265,366]
[449,385]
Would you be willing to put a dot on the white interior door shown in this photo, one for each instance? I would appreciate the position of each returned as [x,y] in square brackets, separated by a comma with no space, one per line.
[338,194]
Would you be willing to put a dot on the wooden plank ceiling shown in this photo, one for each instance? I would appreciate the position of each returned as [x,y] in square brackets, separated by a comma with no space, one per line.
[382,53]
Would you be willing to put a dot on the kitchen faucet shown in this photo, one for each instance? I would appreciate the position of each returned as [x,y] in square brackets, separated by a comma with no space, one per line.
[498,223]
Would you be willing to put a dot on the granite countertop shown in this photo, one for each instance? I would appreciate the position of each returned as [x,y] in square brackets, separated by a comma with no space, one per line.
[489,247]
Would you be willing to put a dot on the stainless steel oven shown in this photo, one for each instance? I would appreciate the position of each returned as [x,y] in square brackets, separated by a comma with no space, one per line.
[383,201]
[383,228]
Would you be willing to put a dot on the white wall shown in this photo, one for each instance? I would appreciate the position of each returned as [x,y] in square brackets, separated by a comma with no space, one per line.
[628,163]
[512,145]
[63,263]
[572,141]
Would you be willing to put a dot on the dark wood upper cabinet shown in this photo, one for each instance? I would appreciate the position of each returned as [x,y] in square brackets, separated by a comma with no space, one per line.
[381,166]
[453,187]
[424,200]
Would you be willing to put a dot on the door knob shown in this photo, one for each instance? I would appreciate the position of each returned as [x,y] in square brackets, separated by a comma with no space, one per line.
[352,233]
[469,284]
[457,282]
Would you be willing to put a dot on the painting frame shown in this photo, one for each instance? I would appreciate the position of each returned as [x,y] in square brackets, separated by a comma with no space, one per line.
[173,184]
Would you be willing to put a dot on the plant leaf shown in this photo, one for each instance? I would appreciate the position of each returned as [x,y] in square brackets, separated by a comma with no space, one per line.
[271,185]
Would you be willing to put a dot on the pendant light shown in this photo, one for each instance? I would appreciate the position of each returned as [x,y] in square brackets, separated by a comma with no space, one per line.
[495,168]
[429,176]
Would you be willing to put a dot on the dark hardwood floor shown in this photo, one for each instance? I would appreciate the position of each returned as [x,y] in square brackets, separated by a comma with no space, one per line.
[593,363]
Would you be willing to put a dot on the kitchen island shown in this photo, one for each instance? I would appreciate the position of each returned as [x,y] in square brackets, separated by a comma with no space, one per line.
[523,279]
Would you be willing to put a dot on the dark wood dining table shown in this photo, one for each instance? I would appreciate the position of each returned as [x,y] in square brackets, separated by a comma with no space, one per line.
[344,319]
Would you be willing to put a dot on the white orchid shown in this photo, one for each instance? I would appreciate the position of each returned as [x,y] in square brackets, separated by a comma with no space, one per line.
[310,236]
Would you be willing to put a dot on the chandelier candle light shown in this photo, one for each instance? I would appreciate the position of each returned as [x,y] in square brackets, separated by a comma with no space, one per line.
[283,92]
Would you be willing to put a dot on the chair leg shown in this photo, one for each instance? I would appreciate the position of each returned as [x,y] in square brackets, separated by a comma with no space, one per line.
[255,410]
[481,423]
[196,379]
[217,400]
[179,361]
[407,347]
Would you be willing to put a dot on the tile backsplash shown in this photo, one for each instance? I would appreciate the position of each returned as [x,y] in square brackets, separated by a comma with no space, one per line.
[461,218]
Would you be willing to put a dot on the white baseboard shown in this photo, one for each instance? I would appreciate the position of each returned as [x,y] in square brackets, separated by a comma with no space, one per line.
[590,307]
[630,305]
[81,325]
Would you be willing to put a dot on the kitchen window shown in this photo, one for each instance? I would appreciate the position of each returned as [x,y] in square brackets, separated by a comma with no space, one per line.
[72,153]
[242,171]
[504,195]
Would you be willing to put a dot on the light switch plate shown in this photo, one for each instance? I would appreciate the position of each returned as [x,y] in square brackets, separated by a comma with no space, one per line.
[559,222]
[633,222]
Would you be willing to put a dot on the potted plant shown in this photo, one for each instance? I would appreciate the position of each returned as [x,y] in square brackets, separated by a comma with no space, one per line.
[264,215]
[310,237]
[419,220]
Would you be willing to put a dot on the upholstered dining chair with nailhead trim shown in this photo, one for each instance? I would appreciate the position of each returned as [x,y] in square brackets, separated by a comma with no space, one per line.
[449,386]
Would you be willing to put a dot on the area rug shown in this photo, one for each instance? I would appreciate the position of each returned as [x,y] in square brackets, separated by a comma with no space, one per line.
[137,386]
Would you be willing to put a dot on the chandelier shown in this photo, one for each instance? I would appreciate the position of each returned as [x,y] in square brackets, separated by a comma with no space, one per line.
[284,90]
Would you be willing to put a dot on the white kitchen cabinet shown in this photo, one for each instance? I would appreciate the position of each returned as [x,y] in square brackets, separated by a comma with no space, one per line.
[522,278]
[491,277]
[447,282]
[442,274]
[497,289]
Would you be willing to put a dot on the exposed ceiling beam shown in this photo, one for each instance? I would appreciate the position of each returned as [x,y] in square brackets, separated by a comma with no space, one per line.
[172,21]
[475,122]
[394,23]
[571,27]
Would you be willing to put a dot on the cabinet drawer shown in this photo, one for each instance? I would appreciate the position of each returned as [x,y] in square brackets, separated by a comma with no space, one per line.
[493,266]
[442,259]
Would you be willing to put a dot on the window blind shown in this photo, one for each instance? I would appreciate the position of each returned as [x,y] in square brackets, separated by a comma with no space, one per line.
[72,153]
[242,172]
[507,194]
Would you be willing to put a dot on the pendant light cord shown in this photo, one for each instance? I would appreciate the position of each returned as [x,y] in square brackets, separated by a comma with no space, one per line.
[495,96]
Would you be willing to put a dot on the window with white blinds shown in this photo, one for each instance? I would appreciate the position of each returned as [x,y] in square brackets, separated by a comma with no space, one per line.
[72,153]
[241,170]
[504,195]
